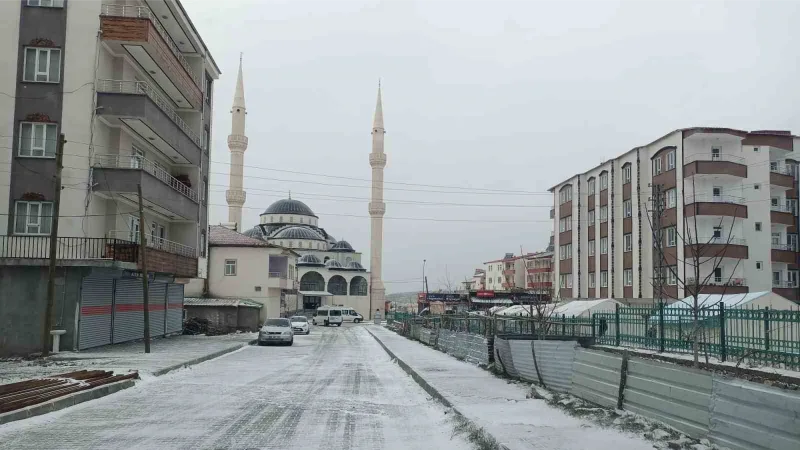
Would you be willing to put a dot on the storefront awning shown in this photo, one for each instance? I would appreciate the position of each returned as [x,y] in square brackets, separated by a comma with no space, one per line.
[495,301]
[315,293]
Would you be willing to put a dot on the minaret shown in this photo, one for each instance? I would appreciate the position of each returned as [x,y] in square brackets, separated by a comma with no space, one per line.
[377,159]
[237,143]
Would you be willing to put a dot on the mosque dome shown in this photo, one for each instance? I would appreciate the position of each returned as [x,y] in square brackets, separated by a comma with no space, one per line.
[289,206]
[355,265]
[309,260]
[333,264]
[297,232]
[342,246]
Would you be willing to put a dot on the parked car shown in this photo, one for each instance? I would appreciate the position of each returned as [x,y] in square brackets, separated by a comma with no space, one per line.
[300,325]
[276,331]
[328,315]
[350,315]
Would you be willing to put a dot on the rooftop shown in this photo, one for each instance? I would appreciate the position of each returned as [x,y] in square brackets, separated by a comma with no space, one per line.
[229,302]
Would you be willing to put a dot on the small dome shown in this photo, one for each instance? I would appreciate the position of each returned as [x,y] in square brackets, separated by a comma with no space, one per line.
[355,265]
[309,260]
[342,246]
[254,232]
[289,206]
[333,264]
[297,232]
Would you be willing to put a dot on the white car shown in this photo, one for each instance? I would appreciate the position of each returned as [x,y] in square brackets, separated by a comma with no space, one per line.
[328,315]
[276,331]
[350,315]
[300,325]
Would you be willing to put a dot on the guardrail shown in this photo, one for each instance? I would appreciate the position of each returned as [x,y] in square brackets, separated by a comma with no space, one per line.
[713,199]
[143,12]
[714,157]
[782,208]
[155,243]
[141,163]
[142,88]
[707,240]
[67,248]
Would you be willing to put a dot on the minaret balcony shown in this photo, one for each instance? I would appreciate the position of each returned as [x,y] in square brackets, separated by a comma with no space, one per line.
[235,197]
[139,106]
[137,32]
[237,141]
[377,160]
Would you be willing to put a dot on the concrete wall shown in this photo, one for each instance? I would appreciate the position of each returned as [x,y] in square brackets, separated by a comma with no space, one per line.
[229,318]
[23,296]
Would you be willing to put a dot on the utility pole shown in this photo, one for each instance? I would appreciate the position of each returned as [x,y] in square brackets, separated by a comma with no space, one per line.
[51,278]
[145,288]
[658,238]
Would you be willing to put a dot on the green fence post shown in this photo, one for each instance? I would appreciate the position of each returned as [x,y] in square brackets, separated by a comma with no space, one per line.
[593,333]
[661,327]
[616,323]
[766,328]
[563,324]
[723,352]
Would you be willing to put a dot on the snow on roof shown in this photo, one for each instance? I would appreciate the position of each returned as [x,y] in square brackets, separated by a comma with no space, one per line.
[711,300]
[578,307]
[234,302]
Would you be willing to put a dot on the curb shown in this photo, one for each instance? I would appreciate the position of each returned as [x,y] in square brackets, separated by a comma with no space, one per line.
[204,358]
[432,391]
[65,402]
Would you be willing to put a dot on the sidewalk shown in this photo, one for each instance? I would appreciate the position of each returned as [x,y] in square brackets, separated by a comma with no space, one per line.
[166,354]
[500,407]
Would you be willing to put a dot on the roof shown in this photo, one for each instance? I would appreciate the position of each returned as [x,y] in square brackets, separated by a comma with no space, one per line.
[711,300]
[315,293]
[289,206]
[221,236]
[578,307]
[512,258]
[227,302]
[342,246]
[297,232]
[310,260]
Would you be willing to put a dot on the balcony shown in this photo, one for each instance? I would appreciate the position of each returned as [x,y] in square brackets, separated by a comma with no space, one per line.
[140,107]
[781,214]
[161,192]
[718,247]
[714,205]
[721,285]
[509,272]
[163,256]
[714,164]
[280,280]
[136,31]
[784,253]
[781,175]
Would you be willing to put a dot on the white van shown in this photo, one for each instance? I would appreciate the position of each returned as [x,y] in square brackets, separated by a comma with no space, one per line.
[328,315]
[350,315]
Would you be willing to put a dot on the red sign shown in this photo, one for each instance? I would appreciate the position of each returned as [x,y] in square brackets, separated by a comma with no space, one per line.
[421,296]
[485,294]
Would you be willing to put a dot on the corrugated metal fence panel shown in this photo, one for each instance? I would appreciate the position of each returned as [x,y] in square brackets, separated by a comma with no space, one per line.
[523,359]
[556,360]
[97,294]
[425,336]
[502,352]
[476,349]
[595,377]
[175,308]
[128,315]
[746,415]
[676,395]
[157,307]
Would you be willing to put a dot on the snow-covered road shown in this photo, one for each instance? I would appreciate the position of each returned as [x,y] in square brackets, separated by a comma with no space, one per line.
[334,389]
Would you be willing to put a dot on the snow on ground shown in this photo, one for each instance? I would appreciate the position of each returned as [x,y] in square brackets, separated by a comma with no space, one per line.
[501,407]
[164,352]
[335,389]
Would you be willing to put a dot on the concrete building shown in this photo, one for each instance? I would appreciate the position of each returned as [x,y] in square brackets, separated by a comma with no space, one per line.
[478,282]
[539,268]
[505,274]
[129,84]
[377,208]
[727,195]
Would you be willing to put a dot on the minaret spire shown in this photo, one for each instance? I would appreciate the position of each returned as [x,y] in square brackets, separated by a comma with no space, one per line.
[377,208]
[237,144]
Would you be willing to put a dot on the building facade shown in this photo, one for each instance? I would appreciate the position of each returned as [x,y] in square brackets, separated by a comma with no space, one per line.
[539,268]
[129,86]
[721,199]
[505,274]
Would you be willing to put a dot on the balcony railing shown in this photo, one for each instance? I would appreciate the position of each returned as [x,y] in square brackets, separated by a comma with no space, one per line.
[787,247]
[138,162]
[781,168]
[714,157]
[143,12]
[277,275]
[713,199]
[715,281]
[142,88]
[154,242]
[782,208]
[67,248]
[704,240]
[784,284]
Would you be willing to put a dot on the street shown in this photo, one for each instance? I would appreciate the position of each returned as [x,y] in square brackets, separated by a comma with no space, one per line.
[334,389]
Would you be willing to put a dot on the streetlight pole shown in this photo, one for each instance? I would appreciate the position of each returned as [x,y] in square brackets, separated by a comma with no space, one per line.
[423,281]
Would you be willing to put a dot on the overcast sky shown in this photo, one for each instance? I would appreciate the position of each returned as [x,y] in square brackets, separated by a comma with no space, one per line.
[487,95]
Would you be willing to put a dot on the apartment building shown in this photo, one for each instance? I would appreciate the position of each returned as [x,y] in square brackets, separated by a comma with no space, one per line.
[506,273]
[727,195]
[539,267]
[478,282]
[129,84]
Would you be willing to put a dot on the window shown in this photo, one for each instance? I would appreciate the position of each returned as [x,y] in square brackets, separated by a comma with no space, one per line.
[672,198]
[756,186]
[47,3]
[203,243]
[628,240]
[792,278]
[591,218]
[592,281]
[565,252]
[773,166]
[775,201]
[714,154]
[758,226]
[604,181]
[137,159]
[604,279]
[627,277]
[671,160]
[657,166]
[776,278]
[627,209]
[206,138]
[717,232]
[591,186]
[626,174]
[42,65]
[603,214]
[569,280]
[209,84]
[565,195]
[759,265]
[562,281]
[33,217]
[791,241]
[791,205]
[591,247]
[230,267]
[755,149]
[776,239]
[565,224]
[603,245]
[672,275]
[718,275]
[672,237]
[38,140]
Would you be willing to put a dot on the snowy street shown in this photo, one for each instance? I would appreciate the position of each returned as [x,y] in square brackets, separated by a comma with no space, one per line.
[334,389]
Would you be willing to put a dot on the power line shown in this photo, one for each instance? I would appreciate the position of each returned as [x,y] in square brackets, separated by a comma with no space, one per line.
[51,94]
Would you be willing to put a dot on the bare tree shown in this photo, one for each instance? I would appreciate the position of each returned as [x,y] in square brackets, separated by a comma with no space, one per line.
[446,281]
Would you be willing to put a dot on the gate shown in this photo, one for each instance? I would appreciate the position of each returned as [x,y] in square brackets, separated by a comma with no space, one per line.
[97,299]
[128,310]
[174,316]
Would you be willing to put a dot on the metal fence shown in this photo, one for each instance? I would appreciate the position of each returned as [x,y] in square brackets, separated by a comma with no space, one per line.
[68,248]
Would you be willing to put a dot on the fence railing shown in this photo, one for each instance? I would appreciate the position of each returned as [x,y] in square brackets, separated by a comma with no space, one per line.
[67,248]
[714,157]
[705,197]
[781,208]
[143,12]
[154,242]
[139,162]
[142,88]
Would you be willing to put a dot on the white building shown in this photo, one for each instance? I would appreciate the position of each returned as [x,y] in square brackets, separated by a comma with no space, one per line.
[737,188]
